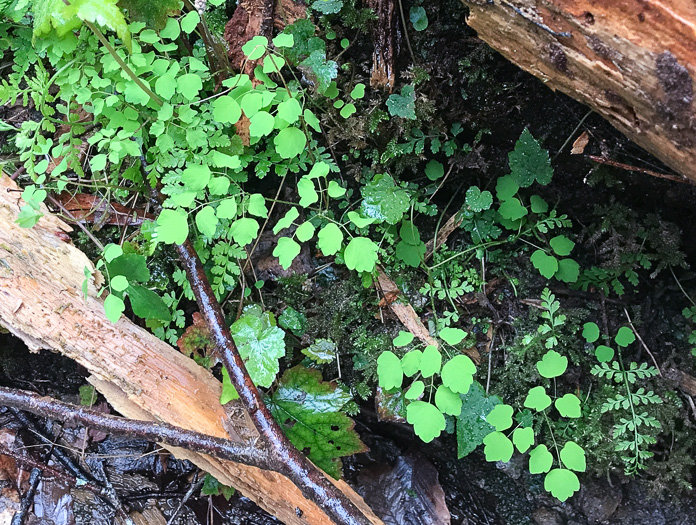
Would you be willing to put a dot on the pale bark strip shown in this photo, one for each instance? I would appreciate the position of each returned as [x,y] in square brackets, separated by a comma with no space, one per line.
[41,302]
[632,62]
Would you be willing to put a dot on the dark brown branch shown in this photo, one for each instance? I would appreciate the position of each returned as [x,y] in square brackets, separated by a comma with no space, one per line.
[628,167]
[149,430]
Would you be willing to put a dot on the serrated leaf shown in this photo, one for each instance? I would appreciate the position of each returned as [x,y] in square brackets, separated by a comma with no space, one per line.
[260,343]
[431,361]
[309,410]
[384,200]
[361,254]
[147,304]
[321,351]
[529,162]
[294,321]
[458,374]
[523,438]
[552,364]
[286,251]
[330,239]
[569,406]
[472,426]
[447,401]
[573,457]
[403,105]
[428,422]
[389,370]
[561,483]
[500,417]
[546,264]
[497,447]
[540,460]
[324,70]
[537,399]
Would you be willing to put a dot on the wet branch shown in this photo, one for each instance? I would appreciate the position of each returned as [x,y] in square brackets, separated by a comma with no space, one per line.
[150,430]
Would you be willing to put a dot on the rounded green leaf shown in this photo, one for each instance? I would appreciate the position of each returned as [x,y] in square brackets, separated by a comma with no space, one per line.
[512,209]
[286,251]
[478,200]
[540,460]
[418,18]
[290,142]
[189,85]
[604,354]
[389,370]
[506,188]
[590,331]
[561,483]
[361,254]
[113,308]
[305,231]
[255,48]
[500,417]
[348,110]
[335,190]
[273,63]
[190,21]
[119,283]
[403,339]
[111,251]
[537,399]
[428,422]
[538,204]
[497,447]
[244,230]
[625,336]
[552,364]
[358,91]
[227,209]
[569,406]
[447,401]
[546,264]
[330,239]
[431,361]
[568,271]
[206,221]
[290,110]
[458,374]
[562,245]
[415,391]
[308,194]
[434,170]
[172,226]
[252,103]
[261,124]
[410,363]
[523,438]
[172,30]
[452,336]
[284,40]
[573,457]
[195,177]
[226,110]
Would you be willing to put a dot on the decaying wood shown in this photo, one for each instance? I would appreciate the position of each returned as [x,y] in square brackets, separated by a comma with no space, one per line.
[631,61]
[142,377]
[384,41]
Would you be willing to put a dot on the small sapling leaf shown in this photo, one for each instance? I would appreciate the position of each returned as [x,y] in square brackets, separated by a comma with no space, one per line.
[389,370]
[458,374]
[573,457]
[403,339]
[537,399]
[500,417]
[568,406]
[624,336]
[497,447]
[540,460]
[604,354]
[552,364]
[590,331]
[428,422]
[431,361]
[561,483]
[523,438]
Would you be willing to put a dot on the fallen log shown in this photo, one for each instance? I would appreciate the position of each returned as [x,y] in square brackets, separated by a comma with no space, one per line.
[632,61]
[142,377]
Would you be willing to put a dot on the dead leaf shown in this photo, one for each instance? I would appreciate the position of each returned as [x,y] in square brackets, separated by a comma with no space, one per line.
[580,144]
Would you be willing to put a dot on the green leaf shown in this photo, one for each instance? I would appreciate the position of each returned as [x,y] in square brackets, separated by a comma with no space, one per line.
[273,63]
[501,417]
[324,70]
[537,399]
[552,364]
[226,110]
[403,105]
[284,40]
[418,18]
[568,406]
[286,251]
[573,457]
[286,221]
[227,209]
[261,124]
[290,110]
[540,460]
[252,103]
[189,85]
[389,370]
[111,251]
[523,438]
[290,142]
[172,226]
[189,22]
[428,422]
[512,209]
[403,339]
[604,354]
[410,363]
[310,412]
[447,401]
[568,271]
[624,336]
[562,245]
[330,239]
[229,393]
[172,29]
[104,13]
[358,91]
[147,304]
[327,7]
[113,307]
[305,188]
[546,264]
[260,343]
[212,487]
[472,426]
[561,483]
[321,351]
[257,205]
[244,230]
[384,200]
[590,331]
[131,265]
[409,233]
[155,14]
[119,283]
[294,321]
[410,254]
[538,204]
[529,162]
[434,170]
[506,188]
[478,200]
[305,232]
[255,48]
[311,120]
[415,390]
[359,220]
[335,190]
[458,374]
[452,336]
[361,254]
[497,447]
[348,110]
[195,177]
[431,361]
[219,185]
[207,221]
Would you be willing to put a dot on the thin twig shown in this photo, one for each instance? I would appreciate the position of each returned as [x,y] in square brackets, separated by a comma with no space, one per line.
[628,167]
[195,486]
[642,342]
[28,497]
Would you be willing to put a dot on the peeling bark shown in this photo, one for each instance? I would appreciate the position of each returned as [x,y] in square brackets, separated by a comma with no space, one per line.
[384,39]
[631,61]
